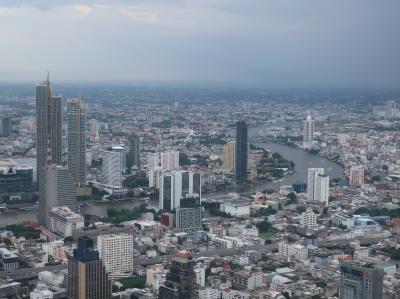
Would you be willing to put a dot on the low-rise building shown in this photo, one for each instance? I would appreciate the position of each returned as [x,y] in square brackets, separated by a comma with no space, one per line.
[63,221]
[8,259]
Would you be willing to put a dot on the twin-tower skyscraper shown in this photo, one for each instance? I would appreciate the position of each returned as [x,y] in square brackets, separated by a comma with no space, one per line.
[57,184]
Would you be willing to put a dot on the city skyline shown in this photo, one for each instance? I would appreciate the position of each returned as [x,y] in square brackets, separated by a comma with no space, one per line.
[188,149]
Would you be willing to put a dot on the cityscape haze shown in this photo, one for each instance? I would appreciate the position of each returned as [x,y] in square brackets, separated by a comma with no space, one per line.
[199,149]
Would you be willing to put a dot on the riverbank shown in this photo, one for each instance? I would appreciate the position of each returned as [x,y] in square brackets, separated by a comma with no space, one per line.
[302,161]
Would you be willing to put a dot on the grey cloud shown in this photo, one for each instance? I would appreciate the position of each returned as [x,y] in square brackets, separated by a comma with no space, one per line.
[266,42]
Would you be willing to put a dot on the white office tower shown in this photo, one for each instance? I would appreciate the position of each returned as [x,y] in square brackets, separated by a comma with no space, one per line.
[153,161]
[113,160]
[170,160]
[116,252]
[313,173]
[321,189]
[200,272]
[308,131]
[356,176]
[309,218]
[177,184]
[56,188]
[93,129]
[154,177]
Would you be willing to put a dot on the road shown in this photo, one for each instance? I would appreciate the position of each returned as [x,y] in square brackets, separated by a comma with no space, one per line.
[32,273]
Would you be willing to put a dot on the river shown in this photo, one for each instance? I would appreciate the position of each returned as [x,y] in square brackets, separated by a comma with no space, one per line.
[302,159]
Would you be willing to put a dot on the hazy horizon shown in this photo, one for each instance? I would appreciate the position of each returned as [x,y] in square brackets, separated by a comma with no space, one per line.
[249,43]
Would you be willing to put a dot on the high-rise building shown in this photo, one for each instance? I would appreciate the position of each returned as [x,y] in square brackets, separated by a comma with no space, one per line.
[170,160]
[5,126]
[76,139]
[228,157]
[154,177]
[56,188]
[135,150]
[116,252]
[153,161]
[390,109]
[309,218]
[188,215]
[93,129]
[48,127]
[318,185]
[356,176]
[241,151]
[181,279]
[112,167]
[177,184]
[200,271]
[87,276]
[308,131]
[360,282]
[321,190]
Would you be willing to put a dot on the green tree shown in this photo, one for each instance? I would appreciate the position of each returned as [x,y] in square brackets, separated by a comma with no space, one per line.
[292,196]
[268,191]
[135,182]
[266,211]
[184,160]
[264,226]
[376,178]
[300,209]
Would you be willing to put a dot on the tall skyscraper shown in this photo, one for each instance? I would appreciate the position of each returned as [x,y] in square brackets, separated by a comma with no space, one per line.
[360,282]
[113,160]
[321,189]
[170,160]
[241,151]
[5,126]
[153,161]
[390,109]
[318,185]
[177,184]
[76,139]
[56,188]
[356,176]
[135,150]
[87,276]
[116,252]
[228,156]
[188,215]
[93,129]
[48,127]
[181,279]
[313,173]
[308,131]
[154,175]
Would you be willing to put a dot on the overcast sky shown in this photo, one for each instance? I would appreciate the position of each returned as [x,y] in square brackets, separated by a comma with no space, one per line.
[262,42]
